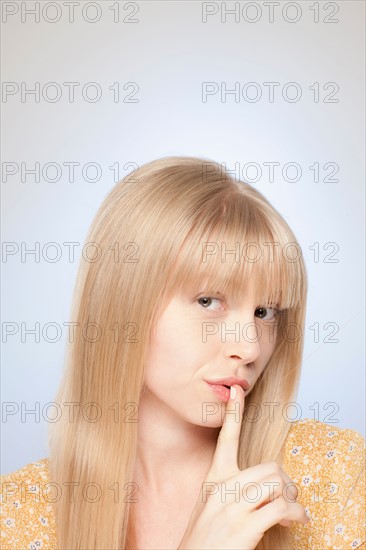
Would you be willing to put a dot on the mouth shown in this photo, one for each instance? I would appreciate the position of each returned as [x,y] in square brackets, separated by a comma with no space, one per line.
[228,387]
[227,382]
[221,391]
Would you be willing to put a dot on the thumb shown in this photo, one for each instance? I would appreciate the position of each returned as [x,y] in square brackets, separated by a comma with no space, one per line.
[225,463]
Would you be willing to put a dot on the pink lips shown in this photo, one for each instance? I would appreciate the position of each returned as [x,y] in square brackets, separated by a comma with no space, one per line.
[221,391]
[219,386]
[230,381]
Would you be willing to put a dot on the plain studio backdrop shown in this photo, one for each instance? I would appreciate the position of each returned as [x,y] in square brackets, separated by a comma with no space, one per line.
[272,90]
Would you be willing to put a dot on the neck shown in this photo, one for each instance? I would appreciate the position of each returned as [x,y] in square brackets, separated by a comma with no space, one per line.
[170,449]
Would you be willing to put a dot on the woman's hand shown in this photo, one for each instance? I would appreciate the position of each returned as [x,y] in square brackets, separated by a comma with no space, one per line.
[230,516]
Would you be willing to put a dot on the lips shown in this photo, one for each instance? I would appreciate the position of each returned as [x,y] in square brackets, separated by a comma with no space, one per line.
[221,391]
[221,387]
[230,381]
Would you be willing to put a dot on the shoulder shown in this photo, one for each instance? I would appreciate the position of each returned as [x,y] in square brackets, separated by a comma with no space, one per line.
[322,456]
[35,470]
[325,441]
[327,464]
[27,519]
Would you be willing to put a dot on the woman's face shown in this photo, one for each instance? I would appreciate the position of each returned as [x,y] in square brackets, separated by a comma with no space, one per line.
[200,338]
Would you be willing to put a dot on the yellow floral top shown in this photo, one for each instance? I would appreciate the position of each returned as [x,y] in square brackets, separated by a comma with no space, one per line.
[326,463]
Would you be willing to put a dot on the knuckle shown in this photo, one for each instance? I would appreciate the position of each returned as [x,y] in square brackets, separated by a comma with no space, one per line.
[281,506]
[291,489]
[278,480]
[275,467]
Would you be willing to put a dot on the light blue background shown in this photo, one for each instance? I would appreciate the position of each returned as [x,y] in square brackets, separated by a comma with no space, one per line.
[169,53]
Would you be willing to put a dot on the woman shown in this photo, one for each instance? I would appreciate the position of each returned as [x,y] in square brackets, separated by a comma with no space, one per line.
[197,292]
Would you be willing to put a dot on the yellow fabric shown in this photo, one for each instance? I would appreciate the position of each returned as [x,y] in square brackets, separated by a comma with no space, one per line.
[27,519]
[326,463]
[328,466]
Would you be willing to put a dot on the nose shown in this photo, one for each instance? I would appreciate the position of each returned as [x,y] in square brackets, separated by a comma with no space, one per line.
[241,341]
[246,352]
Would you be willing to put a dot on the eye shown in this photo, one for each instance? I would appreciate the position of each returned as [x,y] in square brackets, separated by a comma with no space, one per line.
[206,301]
[263,311]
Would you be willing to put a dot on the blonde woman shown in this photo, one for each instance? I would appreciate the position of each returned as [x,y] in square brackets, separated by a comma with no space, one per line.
[187,349]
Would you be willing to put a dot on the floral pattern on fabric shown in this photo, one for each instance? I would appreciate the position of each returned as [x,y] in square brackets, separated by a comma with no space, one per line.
[326,463]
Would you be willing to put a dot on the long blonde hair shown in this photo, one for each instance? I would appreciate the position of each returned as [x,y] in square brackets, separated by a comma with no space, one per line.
[148,237]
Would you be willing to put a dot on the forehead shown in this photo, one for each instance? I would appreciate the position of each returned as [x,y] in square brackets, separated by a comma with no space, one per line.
[239,274]
[238,251]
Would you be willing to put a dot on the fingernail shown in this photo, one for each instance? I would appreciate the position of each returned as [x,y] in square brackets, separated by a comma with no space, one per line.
[232,392]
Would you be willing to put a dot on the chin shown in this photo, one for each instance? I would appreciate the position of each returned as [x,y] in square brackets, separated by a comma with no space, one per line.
[211,418]
[213,423]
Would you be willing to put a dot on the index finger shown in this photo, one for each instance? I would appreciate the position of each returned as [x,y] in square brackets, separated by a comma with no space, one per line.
[225,460]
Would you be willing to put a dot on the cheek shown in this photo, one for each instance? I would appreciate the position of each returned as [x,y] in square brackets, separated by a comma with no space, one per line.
[269,335]
[267,343]
[170,359]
